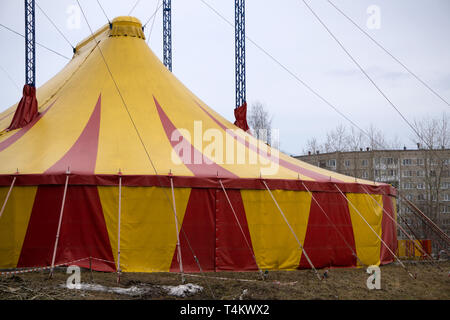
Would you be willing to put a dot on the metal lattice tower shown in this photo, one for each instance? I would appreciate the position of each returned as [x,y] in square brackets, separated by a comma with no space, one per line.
[239,26]
[30,47]
[167,34]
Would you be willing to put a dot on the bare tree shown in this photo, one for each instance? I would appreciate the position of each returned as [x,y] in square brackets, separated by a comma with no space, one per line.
[395,143]
[341,139]
[260,122]
[356,139]
[434,134]
[312,145]
[337,139]
[376,140]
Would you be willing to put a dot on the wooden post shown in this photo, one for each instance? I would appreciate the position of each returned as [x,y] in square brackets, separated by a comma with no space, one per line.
[59,223]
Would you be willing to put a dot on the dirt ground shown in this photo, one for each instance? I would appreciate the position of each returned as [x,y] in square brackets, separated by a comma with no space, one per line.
[431,283]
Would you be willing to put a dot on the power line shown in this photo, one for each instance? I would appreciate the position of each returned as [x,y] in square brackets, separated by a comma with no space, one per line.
[365,73]
[153,22]
[41,45]
[154,13]
[54,25]
[100,5]
[10,78]
[132,9]
[390,54]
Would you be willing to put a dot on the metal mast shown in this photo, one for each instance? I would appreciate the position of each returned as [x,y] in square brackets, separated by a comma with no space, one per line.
[239,26]
[30,47]
[167,34]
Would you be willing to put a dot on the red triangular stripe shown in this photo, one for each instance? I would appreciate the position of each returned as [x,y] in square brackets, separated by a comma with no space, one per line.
[82,156]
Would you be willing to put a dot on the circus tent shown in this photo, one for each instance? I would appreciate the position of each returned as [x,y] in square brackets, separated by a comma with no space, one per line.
[124,165]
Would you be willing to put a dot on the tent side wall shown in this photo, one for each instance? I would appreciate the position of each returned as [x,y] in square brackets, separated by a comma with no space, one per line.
[241,230]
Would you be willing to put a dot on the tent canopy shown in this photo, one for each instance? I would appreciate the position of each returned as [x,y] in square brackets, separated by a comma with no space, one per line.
[115,112]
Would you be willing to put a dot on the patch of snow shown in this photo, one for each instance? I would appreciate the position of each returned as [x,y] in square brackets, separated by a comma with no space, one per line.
[132,291]
[178,291]
[244,292]
[183,290]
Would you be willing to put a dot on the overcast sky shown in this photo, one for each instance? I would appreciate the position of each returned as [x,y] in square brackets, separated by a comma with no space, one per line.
[415,31]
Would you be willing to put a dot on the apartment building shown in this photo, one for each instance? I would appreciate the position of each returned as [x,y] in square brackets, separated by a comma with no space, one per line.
[420,175]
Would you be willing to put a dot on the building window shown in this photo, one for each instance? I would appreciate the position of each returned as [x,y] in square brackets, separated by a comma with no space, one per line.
[332,163]
[365,162]
[446,197]
[389,161]
[407,173]
[420,173]
[410,197]
[407,185]
[432,173]
[391,173]
[322,164]
[420,162]
[444,209]
[347,163]
[407,162]
[420,186]
[445,185]
[365,175]
[421,197]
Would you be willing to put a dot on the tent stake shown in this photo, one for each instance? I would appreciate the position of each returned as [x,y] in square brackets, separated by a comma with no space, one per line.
[292,230]
[180,261]
[118,227]
[59,223]
[242,231]
[90,268]
[359,213]
[7,196]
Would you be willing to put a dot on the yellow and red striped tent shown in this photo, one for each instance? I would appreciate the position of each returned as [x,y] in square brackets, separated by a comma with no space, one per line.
[120,130]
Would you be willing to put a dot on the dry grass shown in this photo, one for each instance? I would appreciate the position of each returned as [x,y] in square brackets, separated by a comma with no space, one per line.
[343,284]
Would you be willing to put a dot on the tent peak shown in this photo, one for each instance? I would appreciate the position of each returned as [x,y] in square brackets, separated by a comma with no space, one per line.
[126,26]
[121,26]
[127,20]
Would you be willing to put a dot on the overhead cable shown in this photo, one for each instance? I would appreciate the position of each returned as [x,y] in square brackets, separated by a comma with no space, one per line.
[41,45]
[103,10]
[391,103]
[390,54]
[135,5]
[153,22]
[295,76]
[154,13]
[54,25]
